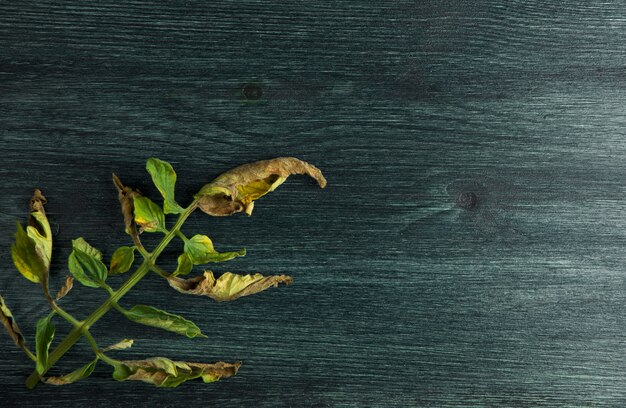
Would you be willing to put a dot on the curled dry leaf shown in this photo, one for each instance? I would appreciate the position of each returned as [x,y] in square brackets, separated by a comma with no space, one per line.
[9,323]
[39,228]
[65,289]
[124,344]
[237,189]
[126,195]
[164,372]
[228,286]
[83,372]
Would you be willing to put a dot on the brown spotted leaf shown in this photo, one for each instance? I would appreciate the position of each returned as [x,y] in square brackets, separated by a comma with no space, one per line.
[65,289]
[228,286]
[9,323]
[237,189]
[164,372]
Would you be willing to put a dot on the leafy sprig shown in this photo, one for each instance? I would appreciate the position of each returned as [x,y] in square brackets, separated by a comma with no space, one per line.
[232,192]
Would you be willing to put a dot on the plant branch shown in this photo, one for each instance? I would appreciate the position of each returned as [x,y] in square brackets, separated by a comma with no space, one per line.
[141,271]
[182,236]
[160,271]
[97,351]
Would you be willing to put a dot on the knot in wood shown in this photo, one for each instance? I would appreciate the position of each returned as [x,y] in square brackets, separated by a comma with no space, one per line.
[252,92]
[467,200]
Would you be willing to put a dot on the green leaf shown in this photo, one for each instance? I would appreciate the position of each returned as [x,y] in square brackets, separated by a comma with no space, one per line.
[163,372]
[83,372]
[148,215]
[228,286]
[237,189]
[184,265]
[122,260]
[43,339]
[164,178]
[200,250]
[25,256]
[87,267]
[151,316]
[81,244]
[11,325]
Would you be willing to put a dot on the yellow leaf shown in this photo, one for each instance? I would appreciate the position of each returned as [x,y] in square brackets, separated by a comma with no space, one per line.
[32,249]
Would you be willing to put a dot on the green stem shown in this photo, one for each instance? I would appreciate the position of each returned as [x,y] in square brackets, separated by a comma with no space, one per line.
[77,324]
[182,236]
[115,305]
[160,271]
[96,349]
[58,310]
[143,269]
[144,253]
[29,353]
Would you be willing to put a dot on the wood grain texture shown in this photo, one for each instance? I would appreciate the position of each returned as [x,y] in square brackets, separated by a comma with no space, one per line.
[409,290]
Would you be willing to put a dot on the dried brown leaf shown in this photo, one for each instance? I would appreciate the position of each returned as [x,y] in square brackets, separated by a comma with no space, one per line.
[228,286]
[37,202]
[83,372]
[9,323]
[65,289]
[164,372]
[126,196]
[237,189]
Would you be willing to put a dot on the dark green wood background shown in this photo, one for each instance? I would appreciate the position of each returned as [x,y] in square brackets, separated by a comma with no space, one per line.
[469,250]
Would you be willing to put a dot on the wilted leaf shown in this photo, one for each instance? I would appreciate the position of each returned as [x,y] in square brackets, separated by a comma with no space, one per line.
[124,344]
[87,267]
[164,372]
[122,260]
[83,372]
[237,189]
[184,265]
[82,245]
[32,248]
[228,286]
[200,250]
[151,316]
[65,289]
[25,257]
[164,178]
[126,196]
[9,323]
[148,215]
[39,228]
[43,339]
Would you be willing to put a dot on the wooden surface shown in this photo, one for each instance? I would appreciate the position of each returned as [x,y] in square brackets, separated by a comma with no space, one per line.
[469,250]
